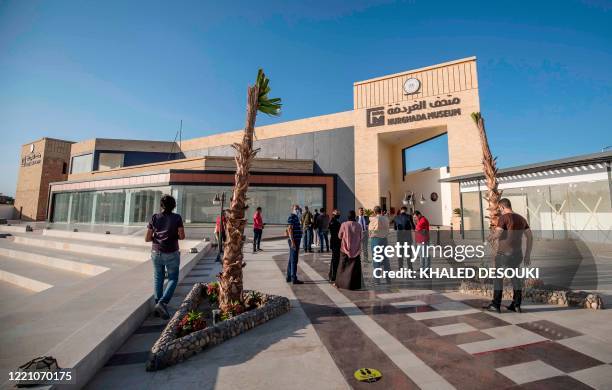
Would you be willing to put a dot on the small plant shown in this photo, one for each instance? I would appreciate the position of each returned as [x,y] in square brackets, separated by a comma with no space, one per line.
[368,212]
[252,300]
[212,291]
[191,322]
[234,309]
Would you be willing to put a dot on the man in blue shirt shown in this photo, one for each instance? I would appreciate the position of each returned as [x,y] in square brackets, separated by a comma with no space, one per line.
[294,235]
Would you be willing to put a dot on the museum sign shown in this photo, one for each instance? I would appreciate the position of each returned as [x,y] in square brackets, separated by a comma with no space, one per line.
[398,113]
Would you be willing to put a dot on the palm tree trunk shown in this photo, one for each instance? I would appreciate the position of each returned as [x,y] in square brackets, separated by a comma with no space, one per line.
[231,277]
[490,171]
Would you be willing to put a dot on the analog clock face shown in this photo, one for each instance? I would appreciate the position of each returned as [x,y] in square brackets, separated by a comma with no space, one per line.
[411,86]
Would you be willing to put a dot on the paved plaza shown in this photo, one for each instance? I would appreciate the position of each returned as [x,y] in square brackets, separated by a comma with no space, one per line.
[418,337]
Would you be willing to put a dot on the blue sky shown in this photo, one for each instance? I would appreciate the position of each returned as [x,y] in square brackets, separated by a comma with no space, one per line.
[133,69]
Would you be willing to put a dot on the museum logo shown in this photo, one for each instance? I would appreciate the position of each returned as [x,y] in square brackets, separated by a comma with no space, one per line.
[375,116]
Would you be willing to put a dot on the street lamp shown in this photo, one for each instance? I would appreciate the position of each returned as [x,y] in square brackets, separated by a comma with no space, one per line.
[220,200]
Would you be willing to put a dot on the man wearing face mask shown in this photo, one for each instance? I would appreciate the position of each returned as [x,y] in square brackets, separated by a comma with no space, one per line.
[509,232]
[294,235]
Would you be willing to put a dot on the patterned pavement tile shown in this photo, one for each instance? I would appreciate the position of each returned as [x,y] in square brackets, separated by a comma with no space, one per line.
[529,372]
[598,377]
[549,330]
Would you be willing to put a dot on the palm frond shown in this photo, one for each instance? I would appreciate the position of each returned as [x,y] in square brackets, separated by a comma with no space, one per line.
[269,106]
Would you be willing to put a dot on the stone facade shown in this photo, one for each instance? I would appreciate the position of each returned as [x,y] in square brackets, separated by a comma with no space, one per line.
[170,349]
[42,162]
[538,294]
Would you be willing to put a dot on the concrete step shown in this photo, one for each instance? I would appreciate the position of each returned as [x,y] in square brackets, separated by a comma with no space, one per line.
[11,292]
[117,238]
[21,253]
[119,251]
[13,228]
[36,278]
[85,331]
[101,261]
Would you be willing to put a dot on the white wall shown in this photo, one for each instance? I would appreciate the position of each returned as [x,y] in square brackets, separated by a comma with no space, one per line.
[7,211]
[425,182]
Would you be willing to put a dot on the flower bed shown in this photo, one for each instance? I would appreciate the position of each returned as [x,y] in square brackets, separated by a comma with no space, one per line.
[193,328]
[536,291]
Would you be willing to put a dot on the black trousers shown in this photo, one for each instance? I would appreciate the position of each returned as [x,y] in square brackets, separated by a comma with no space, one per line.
[335,260]
[508,261]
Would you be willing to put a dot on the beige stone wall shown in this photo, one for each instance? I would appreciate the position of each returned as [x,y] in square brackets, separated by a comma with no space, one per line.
[300,126]
[456,79]
[33,180]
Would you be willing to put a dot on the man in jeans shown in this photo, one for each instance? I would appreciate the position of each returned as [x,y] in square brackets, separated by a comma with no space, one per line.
[404,225]
[307,227]
[363,221]
[164,230]
[509,234]
[323,229]
[294,235]
[378,230]
[258,226]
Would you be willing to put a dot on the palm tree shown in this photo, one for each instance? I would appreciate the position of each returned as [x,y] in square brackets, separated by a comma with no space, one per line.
[490,171]
[231,277]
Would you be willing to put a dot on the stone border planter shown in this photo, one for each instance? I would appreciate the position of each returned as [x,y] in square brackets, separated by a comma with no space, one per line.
[170,349]
[539,294]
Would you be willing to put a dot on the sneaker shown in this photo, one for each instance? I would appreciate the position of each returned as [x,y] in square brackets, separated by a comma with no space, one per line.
[298,282]
[162,310]
[492,307]
[514,308]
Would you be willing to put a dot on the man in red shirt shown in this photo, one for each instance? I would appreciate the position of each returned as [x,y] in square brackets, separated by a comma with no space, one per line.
[258,226]
[421,236]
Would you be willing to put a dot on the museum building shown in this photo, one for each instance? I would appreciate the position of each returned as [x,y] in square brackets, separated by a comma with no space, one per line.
[345,160]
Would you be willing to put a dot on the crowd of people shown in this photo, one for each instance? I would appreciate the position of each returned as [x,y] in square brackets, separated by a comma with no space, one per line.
[350,241]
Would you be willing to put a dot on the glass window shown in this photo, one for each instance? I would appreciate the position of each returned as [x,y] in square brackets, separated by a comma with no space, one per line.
[61,205]
[81,164]
[195,202]
[144,203]
[110,161]
[110,207]
[81,207]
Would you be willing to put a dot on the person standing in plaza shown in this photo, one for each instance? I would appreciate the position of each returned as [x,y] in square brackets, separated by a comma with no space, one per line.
[334,229]
[163,231]
[378,231]
[220,224]
[258,226]
[315,227]
[294,235]
[421,236]
[322,226]
[307,226]
[509,234]
[364,221]
[349,267]
[404,225]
